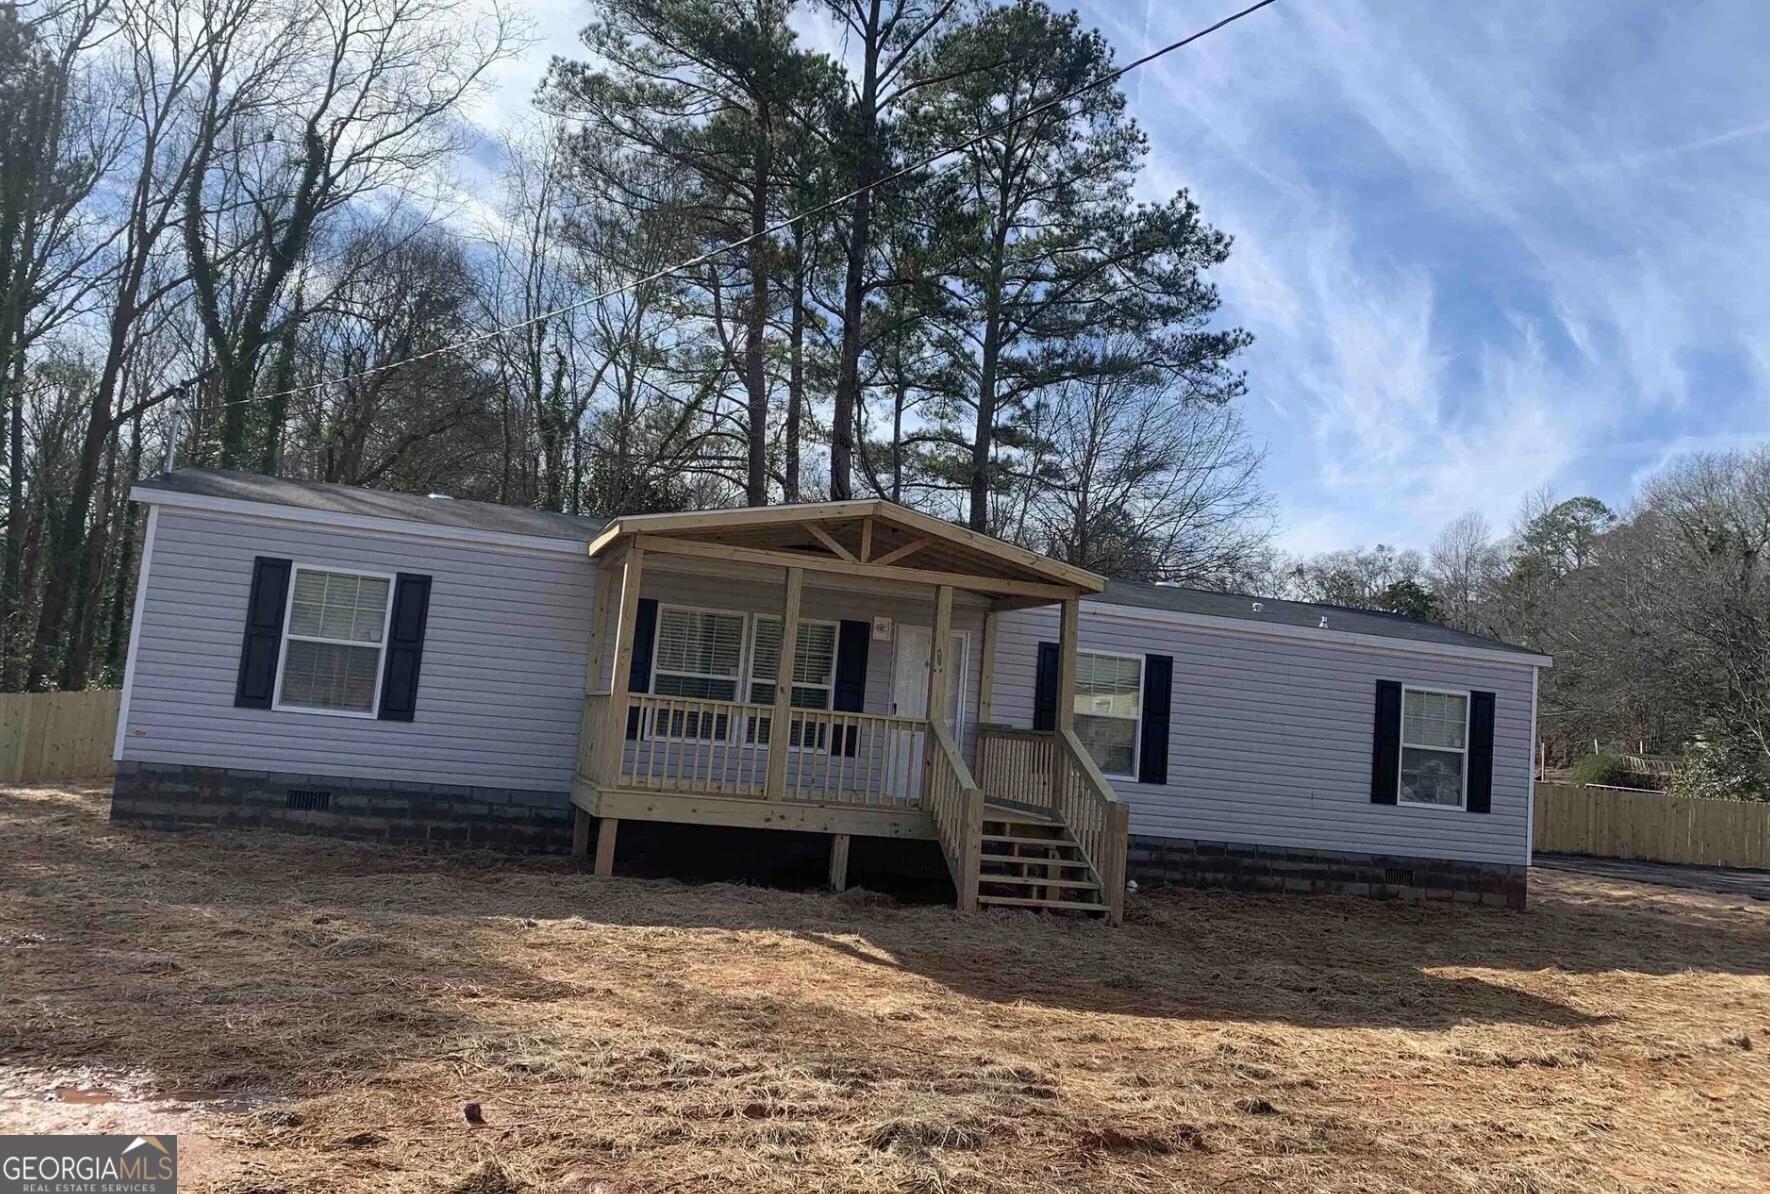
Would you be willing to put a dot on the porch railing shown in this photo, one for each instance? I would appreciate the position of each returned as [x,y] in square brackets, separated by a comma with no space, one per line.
[1051,771]
[675,744]
[856,758]
[955,802]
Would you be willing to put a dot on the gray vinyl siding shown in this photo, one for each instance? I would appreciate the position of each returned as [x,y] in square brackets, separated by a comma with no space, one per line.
[503,670]
[1270,738]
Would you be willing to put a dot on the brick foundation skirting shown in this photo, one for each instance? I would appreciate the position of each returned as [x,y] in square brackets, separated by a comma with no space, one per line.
[1158,860]
[167,796]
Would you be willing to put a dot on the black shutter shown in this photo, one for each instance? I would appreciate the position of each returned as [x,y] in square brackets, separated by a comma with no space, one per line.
[1158,693]
[263,643]
[1480,752]
[1045,689]
[851,681]
[405,646]
[645,634]
[1386,744]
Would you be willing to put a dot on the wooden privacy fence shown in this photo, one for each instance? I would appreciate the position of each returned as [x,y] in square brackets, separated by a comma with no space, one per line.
[1651,826]
[57,735]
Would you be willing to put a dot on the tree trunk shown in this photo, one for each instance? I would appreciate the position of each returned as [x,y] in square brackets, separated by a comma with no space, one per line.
[69,567]
[236,397]
[553,437]
[282,380]
[795,375]
[117,636]
[755,325]
[12,569]
[85,597]
[989,367]
[984,435]
[899,394]
[854,280]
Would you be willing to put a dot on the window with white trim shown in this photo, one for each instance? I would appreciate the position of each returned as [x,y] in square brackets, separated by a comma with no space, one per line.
[1109,709]
[333,640]
[1434,747]
[697,654]
[814,673]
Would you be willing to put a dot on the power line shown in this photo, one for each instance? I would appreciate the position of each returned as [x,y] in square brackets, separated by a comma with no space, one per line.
[779,226]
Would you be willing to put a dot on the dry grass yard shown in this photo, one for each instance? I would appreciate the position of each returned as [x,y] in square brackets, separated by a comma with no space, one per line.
[313,1016]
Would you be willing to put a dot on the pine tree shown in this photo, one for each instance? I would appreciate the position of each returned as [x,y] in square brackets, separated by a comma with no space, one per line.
[1051,262]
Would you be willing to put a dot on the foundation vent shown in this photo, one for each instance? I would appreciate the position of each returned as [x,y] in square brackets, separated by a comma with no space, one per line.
[1397,876]
[309,800]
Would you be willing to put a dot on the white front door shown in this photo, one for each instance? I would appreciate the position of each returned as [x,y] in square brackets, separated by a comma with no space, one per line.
[909,677]
[909,690]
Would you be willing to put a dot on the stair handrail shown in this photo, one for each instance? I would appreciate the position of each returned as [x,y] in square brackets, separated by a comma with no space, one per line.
[955,802]
[1105,849]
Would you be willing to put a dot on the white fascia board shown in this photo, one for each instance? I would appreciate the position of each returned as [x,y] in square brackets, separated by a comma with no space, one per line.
[1345,638]
[355,522]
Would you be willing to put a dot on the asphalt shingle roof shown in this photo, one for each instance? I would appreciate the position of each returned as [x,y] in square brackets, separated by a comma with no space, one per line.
[375,503]
[1292,613]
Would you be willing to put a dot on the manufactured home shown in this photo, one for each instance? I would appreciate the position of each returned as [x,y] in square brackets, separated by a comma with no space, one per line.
[332,659]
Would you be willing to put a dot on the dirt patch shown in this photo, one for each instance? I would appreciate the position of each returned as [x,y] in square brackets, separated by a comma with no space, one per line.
[78,1100]
[629,1037]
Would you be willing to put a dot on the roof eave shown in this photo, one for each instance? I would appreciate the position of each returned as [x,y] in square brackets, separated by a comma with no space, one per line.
[1044,568]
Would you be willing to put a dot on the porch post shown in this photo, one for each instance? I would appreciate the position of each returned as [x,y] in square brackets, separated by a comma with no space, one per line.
[605,582]
[614,729]
[986,680]
[606,828]
[589,731]
[1066,664]
[937,652]
[779,726]
[839,862]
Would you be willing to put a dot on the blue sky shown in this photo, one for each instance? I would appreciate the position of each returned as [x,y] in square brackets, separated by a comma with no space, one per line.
[1484,247]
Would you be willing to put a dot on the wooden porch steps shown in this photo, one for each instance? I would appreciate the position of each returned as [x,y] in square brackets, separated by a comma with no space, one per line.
[1017,839]
[1029,860]
[1047,862]
[1068,884]
[1019,816]
[1042,905]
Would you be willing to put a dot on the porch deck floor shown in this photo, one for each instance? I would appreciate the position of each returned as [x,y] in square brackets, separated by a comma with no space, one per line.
[891,819]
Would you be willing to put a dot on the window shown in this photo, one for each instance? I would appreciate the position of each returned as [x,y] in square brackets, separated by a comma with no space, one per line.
[814,673]
[1109,709]
[333,640]
[1434,746]
[698,654]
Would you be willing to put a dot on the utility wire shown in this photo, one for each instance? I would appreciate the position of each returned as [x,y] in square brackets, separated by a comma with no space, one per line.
[779,226]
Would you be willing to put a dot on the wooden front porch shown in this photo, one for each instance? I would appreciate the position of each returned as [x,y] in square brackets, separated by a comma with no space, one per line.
[1036,825]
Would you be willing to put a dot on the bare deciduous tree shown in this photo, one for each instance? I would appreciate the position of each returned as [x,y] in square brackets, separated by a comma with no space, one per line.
[1133,482]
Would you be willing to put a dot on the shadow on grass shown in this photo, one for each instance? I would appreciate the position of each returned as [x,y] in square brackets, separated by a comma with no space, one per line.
[149,914]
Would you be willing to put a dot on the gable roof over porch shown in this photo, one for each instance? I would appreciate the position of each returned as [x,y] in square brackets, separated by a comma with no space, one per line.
[868,539]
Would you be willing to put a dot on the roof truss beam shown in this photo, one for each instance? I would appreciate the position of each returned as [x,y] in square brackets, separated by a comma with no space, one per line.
[829,541]
[903,553]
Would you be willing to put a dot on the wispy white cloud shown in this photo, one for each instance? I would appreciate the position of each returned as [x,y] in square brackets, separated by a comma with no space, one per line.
[1477,244]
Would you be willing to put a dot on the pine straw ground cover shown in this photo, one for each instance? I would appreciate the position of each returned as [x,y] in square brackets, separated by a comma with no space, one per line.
[631,1036]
